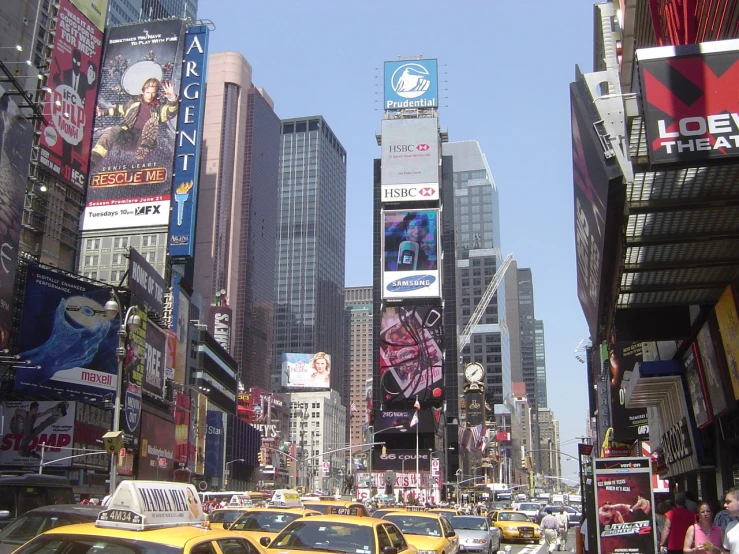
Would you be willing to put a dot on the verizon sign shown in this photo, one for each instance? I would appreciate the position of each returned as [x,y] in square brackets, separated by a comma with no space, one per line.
[410,193]
[691,102]
[410,151]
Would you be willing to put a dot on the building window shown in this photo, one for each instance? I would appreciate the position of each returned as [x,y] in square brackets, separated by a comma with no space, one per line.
[92,244]
[120,242]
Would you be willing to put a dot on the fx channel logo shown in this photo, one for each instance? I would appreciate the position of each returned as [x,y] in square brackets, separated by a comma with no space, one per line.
[411,84]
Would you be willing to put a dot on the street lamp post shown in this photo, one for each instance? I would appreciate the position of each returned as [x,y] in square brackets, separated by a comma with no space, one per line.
[372,434]
[112,308]
[227,471]
[459,474]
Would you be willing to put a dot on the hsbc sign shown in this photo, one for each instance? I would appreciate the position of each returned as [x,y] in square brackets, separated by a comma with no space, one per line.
[410,152]
[410,193]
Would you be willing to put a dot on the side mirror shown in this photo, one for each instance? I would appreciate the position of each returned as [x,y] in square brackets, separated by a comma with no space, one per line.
[4,514]
[264,541]
[451,534]
[389,550]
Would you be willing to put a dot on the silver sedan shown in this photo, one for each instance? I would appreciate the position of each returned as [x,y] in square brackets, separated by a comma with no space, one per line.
[476,535]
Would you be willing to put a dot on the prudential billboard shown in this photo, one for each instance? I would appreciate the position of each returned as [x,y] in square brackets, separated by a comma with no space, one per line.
[411,84]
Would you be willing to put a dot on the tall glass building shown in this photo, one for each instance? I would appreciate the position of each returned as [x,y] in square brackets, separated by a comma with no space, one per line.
[541,365]
[133,11]
[309,293]
[478,256]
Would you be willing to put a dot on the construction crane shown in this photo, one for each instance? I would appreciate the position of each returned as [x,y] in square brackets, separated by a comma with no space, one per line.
[464,337]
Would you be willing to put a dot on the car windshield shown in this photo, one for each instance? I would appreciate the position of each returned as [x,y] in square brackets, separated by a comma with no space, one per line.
[533,507]
[469,523]
[81,544]
[224,516]
[317,506]
[327,536]
[513,516]
[271,522]
[414,525]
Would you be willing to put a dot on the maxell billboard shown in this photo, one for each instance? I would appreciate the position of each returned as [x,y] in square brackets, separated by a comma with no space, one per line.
[67,338]
[410,152]
[16,136]
[410,254]
[28,424]
[130,179]
[187,151]
[411,355]
[690,96]
[411,84]
[74,74]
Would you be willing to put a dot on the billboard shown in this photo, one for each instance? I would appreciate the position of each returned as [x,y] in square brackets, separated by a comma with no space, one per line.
[155,355]
[410,152]
[187,150]
[133,373]
[411,354]
[215,442]
[265,414]
[181,319]
[28,424]
[411,84]
[220,319]
[182,424]
[306,371]
[410,254]
[689,97]
[130,178]
[74,71]
[90,423]
[69,341]
[401,460]
[16,135]
[624,499]
[696,389]
[156,455]
[629,424]
[712,370]
[409,193]
[94,10]
[593,177]
[728,326]
[145,282]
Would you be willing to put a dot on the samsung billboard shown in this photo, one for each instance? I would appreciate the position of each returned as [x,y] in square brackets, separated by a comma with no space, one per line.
[410,254]
[410,152]
[411,84]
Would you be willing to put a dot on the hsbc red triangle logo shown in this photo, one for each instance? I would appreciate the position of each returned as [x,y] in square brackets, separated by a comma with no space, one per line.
[426,191]
[422,147]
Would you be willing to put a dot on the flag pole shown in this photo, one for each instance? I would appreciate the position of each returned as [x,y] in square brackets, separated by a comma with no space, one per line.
[418,483]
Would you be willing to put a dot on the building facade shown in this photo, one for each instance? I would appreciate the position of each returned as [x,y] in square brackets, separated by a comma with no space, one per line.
[358,302]
[133,11]
[541,364]
[309,290]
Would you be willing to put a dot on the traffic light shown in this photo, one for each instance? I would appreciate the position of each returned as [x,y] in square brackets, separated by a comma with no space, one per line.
[289,462]
[113,441]
[261,457]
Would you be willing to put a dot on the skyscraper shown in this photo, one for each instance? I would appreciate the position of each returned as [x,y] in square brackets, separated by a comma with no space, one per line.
[526,323]
[133,11]
[358,302]
[237,210]
[309,310]
[541,365]
[477,228]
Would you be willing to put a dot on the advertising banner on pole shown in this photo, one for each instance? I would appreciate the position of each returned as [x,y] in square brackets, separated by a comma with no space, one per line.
[29,424]
[130,178]
[411,354]
[410,154]
[689,95]
[187,151]
[74,74]
[411,84]
[625,503]
[16,138]
[410,254]
[68,339]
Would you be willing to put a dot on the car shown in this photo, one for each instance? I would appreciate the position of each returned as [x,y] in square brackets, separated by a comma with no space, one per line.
[448,512]
[21,493]
[145,517]
[267,522]
[34,522]
[430,533]
[324,503]
[515,526]
[382,511]
[573,517]
[500,505]
[476,534]
[340,533]
[531,509]
[222,516]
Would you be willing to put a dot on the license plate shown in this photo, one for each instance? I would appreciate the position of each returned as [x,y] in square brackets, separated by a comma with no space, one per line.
[526,534]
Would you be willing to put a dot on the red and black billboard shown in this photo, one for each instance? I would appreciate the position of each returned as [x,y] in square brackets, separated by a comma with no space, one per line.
[690,96]
[74,75]
[156,454]
[596,183]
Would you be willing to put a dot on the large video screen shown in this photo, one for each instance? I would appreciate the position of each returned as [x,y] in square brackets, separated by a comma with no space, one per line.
[411,355]
[306,371]
[410,254]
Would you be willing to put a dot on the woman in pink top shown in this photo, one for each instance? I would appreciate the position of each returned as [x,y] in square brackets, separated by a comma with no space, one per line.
[704,537]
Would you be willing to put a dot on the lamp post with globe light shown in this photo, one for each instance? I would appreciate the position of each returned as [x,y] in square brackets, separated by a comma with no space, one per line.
[132,324]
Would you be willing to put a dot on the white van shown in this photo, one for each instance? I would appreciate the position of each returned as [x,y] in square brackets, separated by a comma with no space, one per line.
[285,498]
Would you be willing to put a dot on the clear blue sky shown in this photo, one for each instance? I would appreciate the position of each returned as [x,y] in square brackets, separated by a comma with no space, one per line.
[505,67]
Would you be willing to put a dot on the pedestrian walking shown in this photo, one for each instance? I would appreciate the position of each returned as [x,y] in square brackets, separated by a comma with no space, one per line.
[550,526]
[563,523]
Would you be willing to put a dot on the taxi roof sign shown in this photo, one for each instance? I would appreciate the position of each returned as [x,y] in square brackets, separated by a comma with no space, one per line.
[345,511]
[141,505]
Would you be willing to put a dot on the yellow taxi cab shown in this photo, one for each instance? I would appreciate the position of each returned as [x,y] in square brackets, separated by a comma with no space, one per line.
[145,517]
[266,522]
[224,516]
[515,526]
[323,503]
[430,533]
[348,531]
[449,513]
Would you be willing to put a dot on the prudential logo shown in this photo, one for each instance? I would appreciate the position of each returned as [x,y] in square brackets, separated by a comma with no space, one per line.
[411,84]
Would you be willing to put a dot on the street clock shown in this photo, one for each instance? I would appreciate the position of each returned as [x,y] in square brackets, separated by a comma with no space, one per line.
[473,372]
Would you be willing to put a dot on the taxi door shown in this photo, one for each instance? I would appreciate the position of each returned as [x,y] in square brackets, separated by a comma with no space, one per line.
[450,534]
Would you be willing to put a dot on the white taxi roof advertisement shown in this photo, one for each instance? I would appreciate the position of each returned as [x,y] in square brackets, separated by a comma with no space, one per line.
[140,505]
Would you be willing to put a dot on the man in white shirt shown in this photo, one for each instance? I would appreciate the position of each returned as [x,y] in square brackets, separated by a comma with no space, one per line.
[731,537]
[563,523]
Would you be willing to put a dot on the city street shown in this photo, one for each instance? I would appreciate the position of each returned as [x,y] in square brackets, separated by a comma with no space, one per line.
[540,548]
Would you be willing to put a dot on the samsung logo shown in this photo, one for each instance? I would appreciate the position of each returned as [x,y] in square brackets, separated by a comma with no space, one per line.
[411,283]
